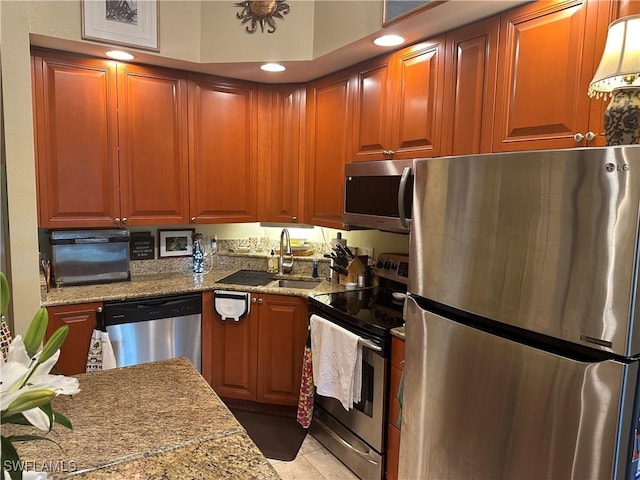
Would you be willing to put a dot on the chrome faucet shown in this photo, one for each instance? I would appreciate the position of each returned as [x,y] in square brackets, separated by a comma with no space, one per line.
[285,266]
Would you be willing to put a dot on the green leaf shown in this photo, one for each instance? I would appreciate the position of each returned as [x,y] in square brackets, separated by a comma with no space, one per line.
[48,409]
[14,418]
[9,459]
[62,420]
[5,294]
[53,344]
[35,333]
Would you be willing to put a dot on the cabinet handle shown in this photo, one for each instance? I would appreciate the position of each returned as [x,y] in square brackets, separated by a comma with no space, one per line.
[253,300]
[259,300]
[99,309]
[294,219]
[578,137]
[590,136]
[193,219]
[124,219]
[117,220]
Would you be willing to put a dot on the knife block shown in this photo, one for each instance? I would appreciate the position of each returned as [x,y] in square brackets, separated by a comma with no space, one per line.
[354,268]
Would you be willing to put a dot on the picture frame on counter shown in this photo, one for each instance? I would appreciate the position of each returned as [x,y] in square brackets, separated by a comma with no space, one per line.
[175,243]
[131,23]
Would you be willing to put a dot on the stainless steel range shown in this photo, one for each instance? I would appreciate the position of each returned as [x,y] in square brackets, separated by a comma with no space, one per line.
[357,436]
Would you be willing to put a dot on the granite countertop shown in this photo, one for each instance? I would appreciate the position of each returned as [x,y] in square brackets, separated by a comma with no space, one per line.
[157,420]
[173,283]
[398,332]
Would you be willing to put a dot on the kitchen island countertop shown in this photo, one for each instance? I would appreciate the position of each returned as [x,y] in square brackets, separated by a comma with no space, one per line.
[157,420]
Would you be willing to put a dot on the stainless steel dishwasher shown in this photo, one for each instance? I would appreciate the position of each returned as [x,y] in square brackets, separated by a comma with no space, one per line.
[150,329]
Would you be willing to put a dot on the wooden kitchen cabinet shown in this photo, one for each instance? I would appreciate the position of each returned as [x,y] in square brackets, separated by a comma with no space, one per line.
[393,431]
[153,146]
[81,320]
[258,358]
[223,154]
[111,143]
[281,152]
[76,134]
[548,52]
[329,129]
[398,103]
[471,56]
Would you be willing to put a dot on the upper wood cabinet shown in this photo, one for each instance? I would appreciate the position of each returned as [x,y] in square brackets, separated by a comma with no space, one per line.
[81,320]
[281,152]
[470,77]
[111,143]
[76,141]
[222,150]
[153,146]
[547,56]
[398,102]
[329,118]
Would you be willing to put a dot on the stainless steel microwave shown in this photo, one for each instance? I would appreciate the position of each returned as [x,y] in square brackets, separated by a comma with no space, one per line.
[379,195]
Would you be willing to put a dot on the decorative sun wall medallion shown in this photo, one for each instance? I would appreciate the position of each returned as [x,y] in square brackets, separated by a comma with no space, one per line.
[262,13]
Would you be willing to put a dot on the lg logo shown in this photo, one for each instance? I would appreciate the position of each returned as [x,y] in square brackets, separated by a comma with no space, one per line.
[612,167]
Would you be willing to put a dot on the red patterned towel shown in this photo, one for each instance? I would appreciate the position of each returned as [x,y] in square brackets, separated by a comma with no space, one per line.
[305,401]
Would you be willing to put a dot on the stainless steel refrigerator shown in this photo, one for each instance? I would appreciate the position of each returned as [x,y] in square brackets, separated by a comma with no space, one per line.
[522,332]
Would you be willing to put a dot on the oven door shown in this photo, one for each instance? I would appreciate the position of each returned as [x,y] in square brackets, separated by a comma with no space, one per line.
[366,418]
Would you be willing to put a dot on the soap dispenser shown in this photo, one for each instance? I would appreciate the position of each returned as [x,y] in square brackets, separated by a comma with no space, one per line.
[272,262]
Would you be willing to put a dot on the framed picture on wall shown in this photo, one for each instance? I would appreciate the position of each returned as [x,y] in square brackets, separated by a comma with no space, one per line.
[175,243]
[132,23]
[397,9]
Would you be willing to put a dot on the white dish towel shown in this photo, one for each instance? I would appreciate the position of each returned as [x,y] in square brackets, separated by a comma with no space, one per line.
[101,356]
[336,358]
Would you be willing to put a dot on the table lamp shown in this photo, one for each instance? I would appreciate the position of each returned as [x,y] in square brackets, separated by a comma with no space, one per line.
[618,76]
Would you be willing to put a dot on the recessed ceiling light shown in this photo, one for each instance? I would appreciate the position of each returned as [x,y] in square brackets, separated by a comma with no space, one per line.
[389,40]
[273,67]
[119,55]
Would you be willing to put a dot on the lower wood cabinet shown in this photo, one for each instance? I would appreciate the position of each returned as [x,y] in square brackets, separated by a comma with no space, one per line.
[81,320]
[393,431]
[259,357]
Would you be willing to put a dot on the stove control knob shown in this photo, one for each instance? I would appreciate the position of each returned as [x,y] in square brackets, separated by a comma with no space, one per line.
[379,264]
[394,266]
[386,265]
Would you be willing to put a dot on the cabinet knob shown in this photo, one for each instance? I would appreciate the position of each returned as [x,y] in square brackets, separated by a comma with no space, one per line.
[253,300]
[99,309]
[259,300]
[294,219]
[117,220]
[193,219]
[124,219]
[590,136]
[578,137]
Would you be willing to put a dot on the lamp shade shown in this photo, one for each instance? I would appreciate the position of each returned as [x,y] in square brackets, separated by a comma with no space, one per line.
[620,63]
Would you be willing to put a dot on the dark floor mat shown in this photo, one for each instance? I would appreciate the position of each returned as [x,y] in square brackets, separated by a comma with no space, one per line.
[278,437]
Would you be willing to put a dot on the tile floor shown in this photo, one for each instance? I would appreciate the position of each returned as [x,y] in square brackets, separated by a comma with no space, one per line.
[313,462]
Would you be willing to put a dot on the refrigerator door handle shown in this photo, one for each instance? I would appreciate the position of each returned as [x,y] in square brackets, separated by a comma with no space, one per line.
[404,222]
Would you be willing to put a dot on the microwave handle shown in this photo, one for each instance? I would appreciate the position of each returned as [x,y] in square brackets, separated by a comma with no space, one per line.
[401,195]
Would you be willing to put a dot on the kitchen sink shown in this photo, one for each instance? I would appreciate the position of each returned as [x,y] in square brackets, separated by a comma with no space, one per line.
[307,284]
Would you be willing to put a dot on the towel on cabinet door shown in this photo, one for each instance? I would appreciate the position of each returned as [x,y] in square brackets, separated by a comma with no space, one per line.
[101,356]
[337,361]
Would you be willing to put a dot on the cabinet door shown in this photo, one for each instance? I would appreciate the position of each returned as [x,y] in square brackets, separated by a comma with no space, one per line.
[81,320]
[393,433]
[152,126]
[76,141]
[222,150]
[469,92]
[417,114]
[328,140]
[282,336]
[372,110]
[233,357]
[545,64]
[281,131]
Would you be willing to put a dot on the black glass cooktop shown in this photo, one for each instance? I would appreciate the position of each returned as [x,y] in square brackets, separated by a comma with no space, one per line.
[372,310]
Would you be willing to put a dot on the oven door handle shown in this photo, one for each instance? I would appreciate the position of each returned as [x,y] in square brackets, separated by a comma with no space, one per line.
[337,437]
[369,344]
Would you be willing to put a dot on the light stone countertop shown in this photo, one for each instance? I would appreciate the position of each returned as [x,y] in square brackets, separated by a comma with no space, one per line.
[157,420]
[173,283]
[398,332]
